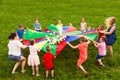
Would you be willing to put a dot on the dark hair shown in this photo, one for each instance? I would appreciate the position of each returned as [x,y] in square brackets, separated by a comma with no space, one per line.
[32,42]
[12,35]
[104,38]
[48,48]
[35,19]
[83,39]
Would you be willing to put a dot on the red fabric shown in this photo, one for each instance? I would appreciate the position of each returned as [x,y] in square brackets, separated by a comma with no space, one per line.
[92,32]
[60,47]
[26,42]
[70,29]
[83,53]
[48,60]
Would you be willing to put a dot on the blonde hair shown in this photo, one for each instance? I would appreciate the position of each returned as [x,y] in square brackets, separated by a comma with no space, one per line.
[110,21]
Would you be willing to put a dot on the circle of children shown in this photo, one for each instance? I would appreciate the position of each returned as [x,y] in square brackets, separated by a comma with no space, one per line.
[105,41]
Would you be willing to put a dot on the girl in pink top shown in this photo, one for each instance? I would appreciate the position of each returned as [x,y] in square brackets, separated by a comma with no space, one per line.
[101,50]
[83,46]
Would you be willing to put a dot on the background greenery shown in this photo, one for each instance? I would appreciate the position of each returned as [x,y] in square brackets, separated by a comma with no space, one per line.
[15,12]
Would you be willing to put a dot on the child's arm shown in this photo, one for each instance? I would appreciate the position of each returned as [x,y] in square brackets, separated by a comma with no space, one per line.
[72,45]
[95,43]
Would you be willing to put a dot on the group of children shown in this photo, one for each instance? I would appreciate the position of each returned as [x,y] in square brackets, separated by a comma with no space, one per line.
[33,58]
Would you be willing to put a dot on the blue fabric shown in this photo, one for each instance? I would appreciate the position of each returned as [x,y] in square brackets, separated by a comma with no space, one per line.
[37,26]
[72,38]
[111,38]
[64,28]
[20,33]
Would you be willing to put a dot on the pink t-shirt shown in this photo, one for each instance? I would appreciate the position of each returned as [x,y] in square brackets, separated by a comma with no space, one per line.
[102,49]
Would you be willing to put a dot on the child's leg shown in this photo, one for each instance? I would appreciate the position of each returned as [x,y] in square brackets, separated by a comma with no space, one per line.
[15,66]
[37,71]
[33,70]
[52,73]
[47,72]
[81,67]
[100,62]
[23,59]
[111,50]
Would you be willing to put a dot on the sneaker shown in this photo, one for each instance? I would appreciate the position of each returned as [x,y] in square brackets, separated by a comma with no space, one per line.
[37,74]
[86,74]
[23,71]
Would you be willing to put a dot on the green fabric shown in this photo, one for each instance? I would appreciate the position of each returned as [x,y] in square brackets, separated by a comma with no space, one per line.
[53,28]
[91,36]
[73,33]
[53,48]
[31,34]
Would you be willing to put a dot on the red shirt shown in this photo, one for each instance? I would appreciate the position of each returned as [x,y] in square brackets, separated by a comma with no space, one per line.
[100,34]
[48,60]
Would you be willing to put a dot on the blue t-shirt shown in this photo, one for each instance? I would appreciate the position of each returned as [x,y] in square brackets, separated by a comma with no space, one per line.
[37,26]
[20,33]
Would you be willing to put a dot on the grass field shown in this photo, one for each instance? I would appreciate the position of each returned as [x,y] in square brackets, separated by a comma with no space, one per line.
[15,12]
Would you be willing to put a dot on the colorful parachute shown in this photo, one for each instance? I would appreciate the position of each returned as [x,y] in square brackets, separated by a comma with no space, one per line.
[56,37]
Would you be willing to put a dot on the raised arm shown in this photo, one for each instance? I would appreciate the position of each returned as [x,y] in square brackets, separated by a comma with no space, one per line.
[74,47]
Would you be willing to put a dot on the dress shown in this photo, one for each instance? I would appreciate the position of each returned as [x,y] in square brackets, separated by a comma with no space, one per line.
[83,53]
[33,58]
[111,38]
[48,61]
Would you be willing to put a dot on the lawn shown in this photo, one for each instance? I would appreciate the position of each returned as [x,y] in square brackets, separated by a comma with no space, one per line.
[15,12]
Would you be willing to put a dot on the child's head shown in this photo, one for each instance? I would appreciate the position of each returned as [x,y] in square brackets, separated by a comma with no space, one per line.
[83,19]
[70,24]
[59,21]
[48,48]
[110,21]
[13,35]
[101,27]
[83,39]
[36,20]
[21,26]
[89,28]
[103,39]
[32,42]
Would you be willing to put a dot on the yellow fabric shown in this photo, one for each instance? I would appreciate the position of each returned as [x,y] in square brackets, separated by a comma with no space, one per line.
[40,44]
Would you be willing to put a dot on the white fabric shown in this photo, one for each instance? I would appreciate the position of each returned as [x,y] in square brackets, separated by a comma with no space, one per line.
[14,47]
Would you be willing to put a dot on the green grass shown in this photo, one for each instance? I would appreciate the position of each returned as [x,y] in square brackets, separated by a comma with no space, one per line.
[15,12]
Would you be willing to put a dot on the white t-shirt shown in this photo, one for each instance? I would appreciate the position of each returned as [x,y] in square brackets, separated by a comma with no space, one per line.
[33,50]
[14,47]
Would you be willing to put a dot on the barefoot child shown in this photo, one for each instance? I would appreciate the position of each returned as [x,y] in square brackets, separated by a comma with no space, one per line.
[101,50]
[83,46]
[33,58]
[48,58]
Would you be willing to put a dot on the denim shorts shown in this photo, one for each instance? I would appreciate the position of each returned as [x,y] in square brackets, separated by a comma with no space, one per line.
[14,58]
[99,56]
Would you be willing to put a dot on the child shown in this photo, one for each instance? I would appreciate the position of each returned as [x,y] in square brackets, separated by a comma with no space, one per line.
[33,58]
[83,46]
[100,28]
[83,25]
[48,62]
[20,31]
[37,25]
[101,50]
[59,24]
